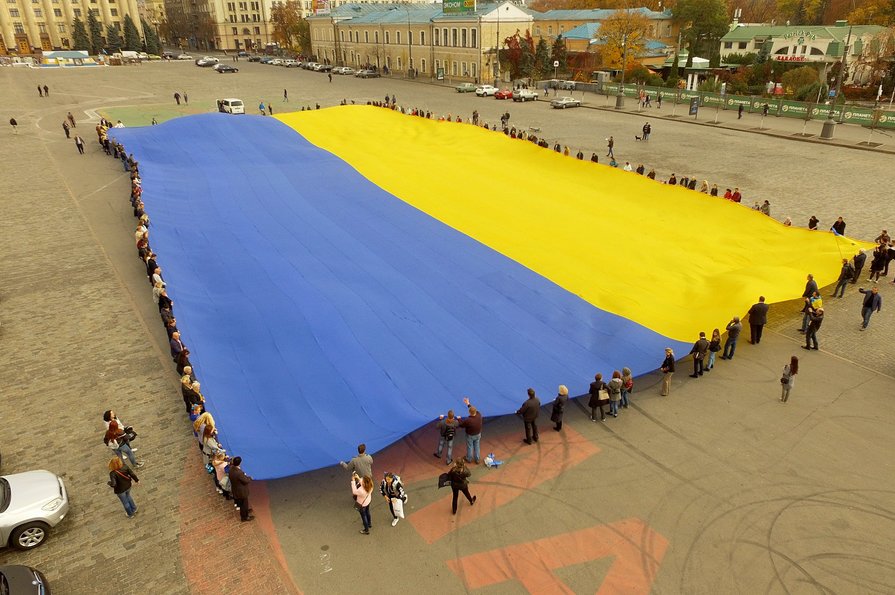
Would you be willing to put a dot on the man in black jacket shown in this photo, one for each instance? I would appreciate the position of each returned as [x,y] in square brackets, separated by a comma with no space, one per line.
[758,317]
[817,318]
[859,260]
[700,348]
[846,273]
[239,487]
[810,288]
[529,412]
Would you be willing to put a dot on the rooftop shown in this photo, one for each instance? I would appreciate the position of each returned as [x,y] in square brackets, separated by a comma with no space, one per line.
[747,32]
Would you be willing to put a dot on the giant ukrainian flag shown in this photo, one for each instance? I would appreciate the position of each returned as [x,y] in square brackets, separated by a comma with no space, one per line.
[345,275]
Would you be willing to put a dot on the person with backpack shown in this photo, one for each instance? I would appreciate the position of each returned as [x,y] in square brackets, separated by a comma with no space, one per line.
[121,479]
[846,274]
[615,392]
[392,490]
[627,385]
[459,479]
[447,427]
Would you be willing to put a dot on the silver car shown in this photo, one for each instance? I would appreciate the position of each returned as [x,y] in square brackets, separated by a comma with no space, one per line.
[30,504]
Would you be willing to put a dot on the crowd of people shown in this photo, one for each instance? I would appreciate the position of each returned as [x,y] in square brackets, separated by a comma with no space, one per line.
[227,476]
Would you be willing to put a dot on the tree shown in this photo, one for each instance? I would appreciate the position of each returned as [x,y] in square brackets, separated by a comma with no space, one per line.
[558,51]
[96,32]
[874,12]
[703,23]
[542,58]
[152,45]
[285,17]
[624,36]
[795,79]
[113,40]
[131,35]
[79,35]
[800,12]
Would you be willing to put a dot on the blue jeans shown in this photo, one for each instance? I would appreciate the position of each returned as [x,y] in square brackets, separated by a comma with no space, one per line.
[805,321]
[365,517]
[450,447]
[811,339]
[711,362]
[865,313]
[124,451]
[729,347]
[129,507]
[624,400]
[473,444]
[613,407]
[840,287]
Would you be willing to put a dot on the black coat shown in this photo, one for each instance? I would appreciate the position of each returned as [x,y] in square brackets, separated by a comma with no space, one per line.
[122,480]
[239,482]
[758,313]
[559,406]
[459,479]
[594,392]
[530,409]
[668,364]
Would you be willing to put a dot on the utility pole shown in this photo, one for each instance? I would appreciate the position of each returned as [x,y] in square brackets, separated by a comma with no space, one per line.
[830,124]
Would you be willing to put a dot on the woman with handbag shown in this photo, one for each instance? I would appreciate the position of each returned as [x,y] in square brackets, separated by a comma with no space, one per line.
[667,369]
[788,378]
[221,480]
[117,439]
[714,348]
[362,490]
[599,396]
[121,479]
[392,490]
[615,392]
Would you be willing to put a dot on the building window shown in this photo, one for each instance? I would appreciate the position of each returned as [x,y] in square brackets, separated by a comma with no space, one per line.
[66,43]
[803,49]
[423,65]
[465,70]
[463,38]
[60,27]
[474,70]
[38,13]
[728,45]
[399,62]
[386,38]
[410,38]
[435,37]
[444,37]
[77,12]
[474,42]
[341,36]
[454,37]
[57,12]
[113,12]
[537,30]
[42,27]
[550,30]
[256,18]
[235,29]
[231,6]
[743,44]
[376,36]
[18,28]
[366,37]
[398,37]
[454,68]
[14,12]
[257,30]
[422,38]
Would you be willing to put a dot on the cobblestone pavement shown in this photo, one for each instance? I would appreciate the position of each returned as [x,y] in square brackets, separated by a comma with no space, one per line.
[80,335]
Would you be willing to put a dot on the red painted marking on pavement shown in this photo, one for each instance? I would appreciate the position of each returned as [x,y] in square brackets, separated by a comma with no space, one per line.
[637,550]
[525,467]
[260,503]
[411,457]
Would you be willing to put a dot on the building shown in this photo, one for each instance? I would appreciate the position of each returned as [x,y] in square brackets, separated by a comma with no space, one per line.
[153,13]
[553,23]
[815,44]
[424,40]
[29,26]
[586,37]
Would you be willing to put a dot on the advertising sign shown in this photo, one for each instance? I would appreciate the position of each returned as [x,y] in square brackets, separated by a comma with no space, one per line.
[458,6]
[694,106]
[321,7]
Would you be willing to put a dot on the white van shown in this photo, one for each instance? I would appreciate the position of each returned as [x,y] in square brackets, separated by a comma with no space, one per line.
[231,106]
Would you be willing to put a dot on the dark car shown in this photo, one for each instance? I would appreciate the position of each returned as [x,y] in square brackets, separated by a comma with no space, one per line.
[254,58]
[243,54]
[19,580]
[223,68]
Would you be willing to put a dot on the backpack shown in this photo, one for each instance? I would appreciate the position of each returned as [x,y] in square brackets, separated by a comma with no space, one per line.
[448,432]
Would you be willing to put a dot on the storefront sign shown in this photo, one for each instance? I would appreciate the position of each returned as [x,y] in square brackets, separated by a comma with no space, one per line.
[791,58]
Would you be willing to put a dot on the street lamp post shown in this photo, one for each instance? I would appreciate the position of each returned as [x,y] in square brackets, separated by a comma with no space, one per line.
[620,98]
[409,44]
[830,124]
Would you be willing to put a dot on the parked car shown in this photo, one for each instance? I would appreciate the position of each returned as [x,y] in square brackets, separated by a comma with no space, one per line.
[485,90]
[22,580]
[525,95]
[30,504]
[225,68]
[324,68]
[169,55]
[465,88]
[309,65]
[290,63]
[231,105]
[367,74]
[206,61]
[503,94]
[274,62]
[564,102]
[347,70]
[184,57]
[254,58]
[567,85]
[154,57]
[242,54]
